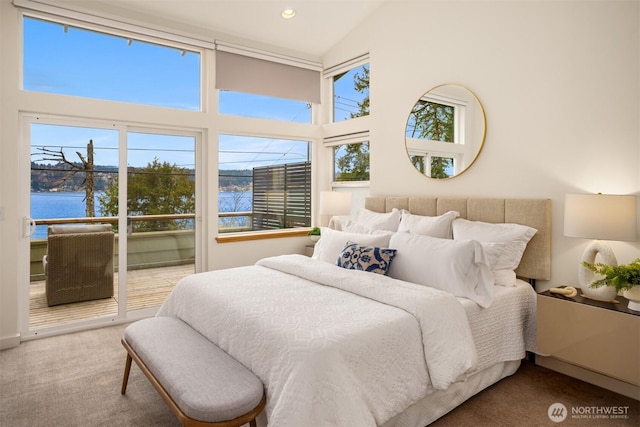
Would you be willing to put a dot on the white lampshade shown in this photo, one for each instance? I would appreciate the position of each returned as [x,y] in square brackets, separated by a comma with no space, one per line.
[334,203]
[600,216]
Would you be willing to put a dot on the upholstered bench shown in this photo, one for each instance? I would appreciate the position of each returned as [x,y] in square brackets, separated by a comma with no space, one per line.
[201,383]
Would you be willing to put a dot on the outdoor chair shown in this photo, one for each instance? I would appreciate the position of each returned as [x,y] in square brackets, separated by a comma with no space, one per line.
[78,265]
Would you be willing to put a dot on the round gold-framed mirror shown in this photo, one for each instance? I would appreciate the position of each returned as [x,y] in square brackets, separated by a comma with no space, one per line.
[445,131]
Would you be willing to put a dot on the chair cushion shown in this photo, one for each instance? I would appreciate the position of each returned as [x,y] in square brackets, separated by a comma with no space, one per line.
[204,381]
[66,229]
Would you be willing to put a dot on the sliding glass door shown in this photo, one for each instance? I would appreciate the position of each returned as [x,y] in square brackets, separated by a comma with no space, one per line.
[112,214]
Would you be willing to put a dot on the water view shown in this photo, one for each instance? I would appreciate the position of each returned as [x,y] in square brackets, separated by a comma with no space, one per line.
[67,204]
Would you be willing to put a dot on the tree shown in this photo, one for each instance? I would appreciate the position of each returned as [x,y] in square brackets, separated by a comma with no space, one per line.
[159,188]
[354,163]
[85,166]
[361,84]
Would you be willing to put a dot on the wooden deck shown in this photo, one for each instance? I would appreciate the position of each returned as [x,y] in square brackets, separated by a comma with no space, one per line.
[146,288]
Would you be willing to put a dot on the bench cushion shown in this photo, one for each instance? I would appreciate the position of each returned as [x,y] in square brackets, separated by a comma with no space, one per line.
[204,381]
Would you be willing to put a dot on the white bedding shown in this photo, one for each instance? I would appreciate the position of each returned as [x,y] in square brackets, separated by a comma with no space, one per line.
[358,349]
[507,329]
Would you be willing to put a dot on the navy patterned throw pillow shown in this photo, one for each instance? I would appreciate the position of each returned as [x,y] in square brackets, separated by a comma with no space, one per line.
[366,258]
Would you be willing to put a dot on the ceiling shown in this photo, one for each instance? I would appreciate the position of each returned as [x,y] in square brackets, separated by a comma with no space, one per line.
[317,26]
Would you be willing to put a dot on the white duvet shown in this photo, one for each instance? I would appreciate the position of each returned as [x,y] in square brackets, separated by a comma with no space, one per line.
[332,346]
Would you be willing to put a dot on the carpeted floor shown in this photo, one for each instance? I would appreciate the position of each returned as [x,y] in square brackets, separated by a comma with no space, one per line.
[74,380]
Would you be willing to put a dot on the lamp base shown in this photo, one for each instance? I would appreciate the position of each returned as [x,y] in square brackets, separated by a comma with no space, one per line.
[335,224]
[586,277]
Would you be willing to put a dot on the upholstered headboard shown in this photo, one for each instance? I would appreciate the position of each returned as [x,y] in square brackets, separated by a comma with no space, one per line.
[536,213]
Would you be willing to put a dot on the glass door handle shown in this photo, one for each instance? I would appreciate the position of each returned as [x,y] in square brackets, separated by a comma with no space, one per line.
[29,227]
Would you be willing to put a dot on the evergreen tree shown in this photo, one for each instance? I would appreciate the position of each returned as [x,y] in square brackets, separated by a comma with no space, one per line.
[159,188]
[433,122]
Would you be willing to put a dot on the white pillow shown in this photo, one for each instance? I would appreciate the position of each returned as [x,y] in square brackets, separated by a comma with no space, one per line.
[494,252]
[434,226]
[514,236]
[458,267]
[379,221]
[354,227]
[505,278]
[332,242]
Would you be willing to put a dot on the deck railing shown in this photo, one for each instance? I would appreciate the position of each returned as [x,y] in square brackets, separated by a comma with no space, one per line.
[148,249]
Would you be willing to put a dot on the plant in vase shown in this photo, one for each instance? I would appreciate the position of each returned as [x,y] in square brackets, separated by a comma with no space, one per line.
[314,234]
[624,278]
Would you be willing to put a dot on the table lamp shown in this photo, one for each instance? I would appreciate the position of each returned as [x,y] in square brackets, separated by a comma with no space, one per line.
[600,217]
[335,203]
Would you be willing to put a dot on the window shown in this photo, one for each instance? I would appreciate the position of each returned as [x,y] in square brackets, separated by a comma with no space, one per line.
[264,107]
[351,93]
[350,156]
[351,162]
[69,60]
[264,183]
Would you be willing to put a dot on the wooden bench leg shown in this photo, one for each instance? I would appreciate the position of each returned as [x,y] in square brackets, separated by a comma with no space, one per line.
[125,379]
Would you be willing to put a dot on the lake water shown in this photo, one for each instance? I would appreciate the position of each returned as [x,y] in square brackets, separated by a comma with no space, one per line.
[72,205]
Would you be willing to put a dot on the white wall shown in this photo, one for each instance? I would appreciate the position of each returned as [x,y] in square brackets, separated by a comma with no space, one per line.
[9,227]
[559,84]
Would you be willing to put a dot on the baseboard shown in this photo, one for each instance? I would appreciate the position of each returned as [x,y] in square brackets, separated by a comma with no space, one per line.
[9,342]
[595,378]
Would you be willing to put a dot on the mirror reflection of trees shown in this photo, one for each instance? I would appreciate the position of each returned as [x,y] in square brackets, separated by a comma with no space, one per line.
[445,131]
[434,122]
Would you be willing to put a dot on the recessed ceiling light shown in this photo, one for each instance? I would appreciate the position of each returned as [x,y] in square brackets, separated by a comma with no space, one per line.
[288,13]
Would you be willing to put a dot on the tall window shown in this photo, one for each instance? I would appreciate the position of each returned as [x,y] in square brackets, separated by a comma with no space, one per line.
[351,93]
[265,182]
[69,60]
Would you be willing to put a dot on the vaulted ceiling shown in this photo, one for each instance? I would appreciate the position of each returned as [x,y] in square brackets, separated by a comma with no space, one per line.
[317,26]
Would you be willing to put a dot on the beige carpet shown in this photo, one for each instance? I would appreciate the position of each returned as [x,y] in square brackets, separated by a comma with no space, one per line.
[74,380]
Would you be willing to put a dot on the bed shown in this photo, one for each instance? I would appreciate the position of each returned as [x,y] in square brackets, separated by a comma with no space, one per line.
[338,345]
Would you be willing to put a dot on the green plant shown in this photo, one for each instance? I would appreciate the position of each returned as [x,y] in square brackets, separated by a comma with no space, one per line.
[315,231]
[622,277]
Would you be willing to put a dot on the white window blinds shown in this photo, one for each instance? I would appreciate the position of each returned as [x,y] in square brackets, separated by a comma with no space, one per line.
[258,76]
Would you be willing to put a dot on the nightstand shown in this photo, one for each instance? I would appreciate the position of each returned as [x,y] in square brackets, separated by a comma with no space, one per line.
[308,249]
[599,341]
